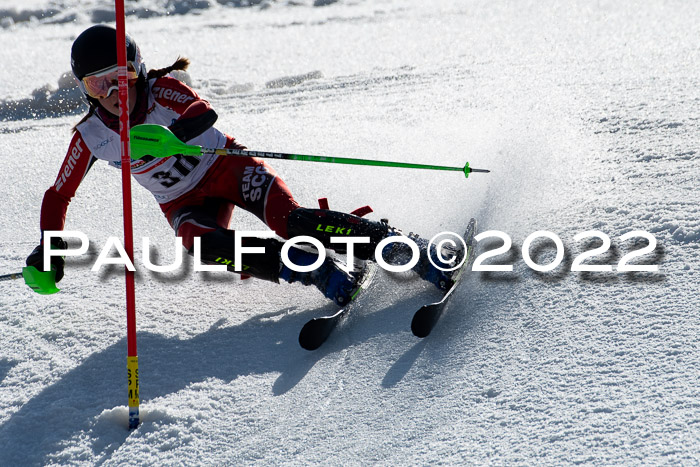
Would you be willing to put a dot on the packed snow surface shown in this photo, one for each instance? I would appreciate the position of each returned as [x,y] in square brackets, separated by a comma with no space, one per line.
[586,115]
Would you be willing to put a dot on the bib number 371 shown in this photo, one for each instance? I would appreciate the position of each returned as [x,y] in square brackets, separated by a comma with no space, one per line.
[180,169]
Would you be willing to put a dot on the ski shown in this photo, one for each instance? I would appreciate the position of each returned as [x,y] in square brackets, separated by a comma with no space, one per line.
[428,315]
[316,331]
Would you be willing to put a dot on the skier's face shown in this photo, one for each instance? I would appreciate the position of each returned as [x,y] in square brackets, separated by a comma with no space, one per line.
[111,102]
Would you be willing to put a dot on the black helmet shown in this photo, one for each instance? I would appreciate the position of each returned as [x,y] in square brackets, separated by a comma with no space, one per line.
[95,50]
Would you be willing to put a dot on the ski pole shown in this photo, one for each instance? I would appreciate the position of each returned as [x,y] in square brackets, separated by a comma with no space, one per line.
[159,141]
[9,277]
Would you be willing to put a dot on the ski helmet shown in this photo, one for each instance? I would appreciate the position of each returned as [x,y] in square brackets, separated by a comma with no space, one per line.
[95,50]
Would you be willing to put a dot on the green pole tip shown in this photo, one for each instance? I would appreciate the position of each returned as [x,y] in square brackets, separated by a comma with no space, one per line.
[467,170]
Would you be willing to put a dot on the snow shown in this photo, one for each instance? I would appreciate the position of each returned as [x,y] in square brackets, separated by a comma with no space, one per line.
[585,114]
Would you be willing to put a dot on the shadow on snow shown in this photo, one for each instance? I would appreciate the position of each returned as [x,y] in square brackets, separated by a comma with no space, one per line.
[167,365]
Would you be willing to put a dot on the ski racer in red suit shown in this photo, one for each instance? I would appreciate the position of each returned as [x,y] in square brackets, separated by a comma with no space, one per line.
[198,194]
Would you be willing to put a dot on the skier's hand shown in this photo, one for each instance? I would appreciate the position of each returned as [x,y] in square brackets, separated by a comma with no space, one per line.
[194,121]
[36,258]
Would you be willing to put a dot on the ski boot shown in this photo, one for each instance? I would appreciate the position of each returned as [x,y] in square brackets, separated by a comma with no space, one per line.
[323,224]
[436,272]
[334,283]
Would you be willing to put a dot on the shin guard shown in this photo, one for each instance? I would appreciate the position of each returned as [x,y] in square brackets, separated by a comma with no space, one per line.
[323,224]
[218,248]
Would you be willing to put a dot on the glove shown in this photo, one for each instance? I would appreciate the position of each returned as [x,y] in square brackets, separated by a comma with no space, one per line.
[197,119]
[36,258]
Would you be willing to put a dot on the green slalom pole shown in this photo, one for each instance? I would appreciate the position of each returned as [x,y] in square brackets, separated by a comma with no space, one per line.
[159,141]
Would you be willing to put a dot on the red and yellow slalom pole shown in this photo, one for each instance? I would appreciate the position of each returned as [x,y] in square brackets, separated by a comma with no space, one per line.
[132,359]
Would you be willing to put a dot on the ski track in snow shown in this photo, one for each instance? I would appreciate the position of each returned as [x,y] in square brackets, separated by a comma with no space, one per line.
[585,115]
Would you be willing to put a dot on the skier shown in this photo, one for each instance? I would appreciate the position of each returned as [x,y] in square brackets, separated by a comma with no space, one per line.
[198,194]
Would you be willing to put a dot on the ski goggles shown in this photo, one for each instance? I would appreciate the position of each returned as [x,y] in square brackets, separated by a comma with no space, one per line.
[101,83]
